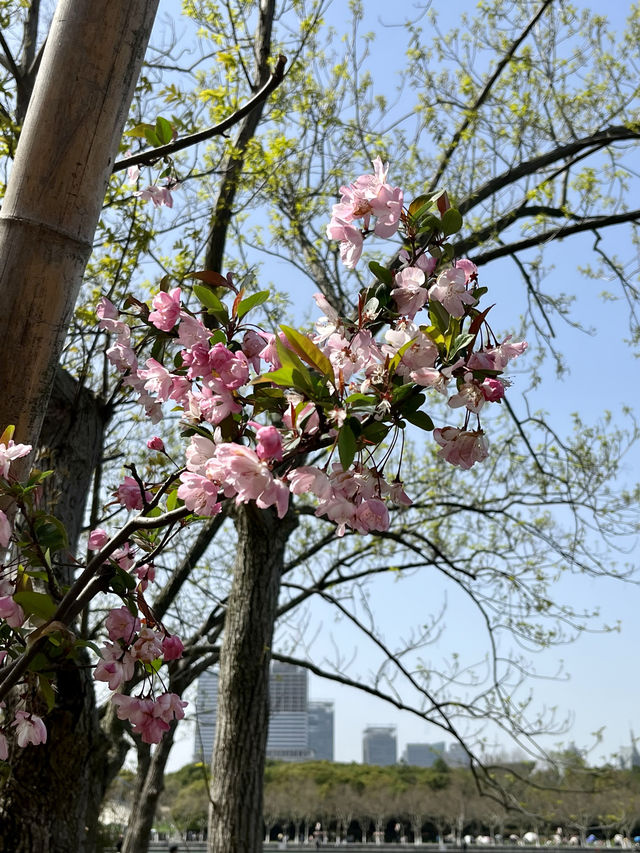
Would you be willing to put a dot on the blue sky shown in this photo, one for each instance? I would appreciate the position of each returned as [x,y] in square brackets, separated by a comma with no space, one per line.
[599,687]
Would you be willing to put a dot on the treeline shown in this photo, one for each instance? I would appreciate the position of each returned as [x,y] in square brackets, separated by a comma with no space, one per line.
[359,802]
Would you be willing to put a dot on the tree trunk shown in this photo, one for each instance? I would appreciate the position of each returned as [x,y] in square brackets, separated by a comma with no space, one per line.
[76,746]
[54,787]
[151,779]
[64,157]
[237,768]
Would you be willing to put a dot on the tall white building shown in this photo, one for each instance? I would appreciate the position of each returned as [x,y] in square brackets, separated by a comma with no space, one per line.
[288,738]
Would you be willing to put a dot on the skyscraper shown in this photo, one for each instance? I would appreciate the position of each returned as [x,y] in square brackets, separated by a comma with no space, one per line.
[206,715]
[321,730]
[379,745]
[288,738]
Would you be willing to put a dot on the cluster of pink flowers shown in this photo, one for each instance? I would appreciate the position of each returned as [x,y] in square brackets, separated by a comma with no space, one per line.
[150,718]
[369,195]
[132,642]
[352,498]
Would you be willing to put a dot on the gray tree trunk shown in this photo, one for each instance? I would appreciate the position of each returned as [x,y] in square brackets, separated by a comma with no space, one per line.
[151,785]
[237,767]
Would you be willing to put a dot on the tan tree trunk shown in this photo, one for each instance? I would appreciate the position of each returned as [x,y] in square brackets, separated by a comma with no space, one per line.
[74,123]
[57,184]
[237,767]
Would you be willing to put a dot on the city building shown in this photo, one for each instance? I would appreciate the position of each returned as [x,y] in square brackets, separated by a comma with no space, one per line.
[456,756]
[379,745]
[288,738]
[321,718]
[289,718]
[206,715]
[422,754]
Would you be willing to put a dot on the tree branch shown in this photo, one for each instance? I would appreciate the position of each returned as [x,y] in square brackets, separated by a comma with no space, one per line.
[470,113]
[147,158]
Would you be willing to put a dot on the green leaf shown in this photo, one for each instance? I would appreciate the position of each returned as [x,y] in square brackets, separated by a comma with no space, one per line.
[451,221]
[172,500]
[381,273]
[140,130]
[36,604]
[308,351]
[346,446]
[164,130]
[50,533]
[152,137]
[439,315]
[252,302]
[420,419]
[375,432]
[208,298]
[47,691]
[361,401]
[460,342]
[281,376]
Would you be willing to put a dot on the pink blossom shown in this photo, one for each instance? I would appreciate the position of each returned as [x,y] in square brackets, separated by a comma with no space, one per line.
[124,557]
[469,268]
[369,195]
[214,403]
[409,293]
[251,478]
[191,331]
[148,646]
[269,445]
[506,352]
[122,356]
[492,389]
[371,514]
[108,315]
[450,290]
[121,624]
[460,447]
[5,530]
[252,345]
[98,538]
[306,478]
[11,612]
[167,310]
[146,574]
[350,239]
[339,509]
[172,647]
[469,395]
[232,368]
[149,719]
[200,450]
[157,379]
[9,453]
[158,195]
[116,667]
[130,495]
[199,494]
[424,262]
[398,495]
[155,443]
[29,729]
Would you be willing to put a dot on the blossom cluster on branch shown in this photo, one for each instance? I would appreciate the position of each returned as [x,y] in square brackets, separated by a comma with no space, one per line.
[263,415]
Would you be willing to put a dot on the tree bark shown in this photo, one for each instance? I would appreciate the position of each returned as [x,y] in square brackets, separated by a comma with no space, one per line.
[237,767]
[151,785]
[64,157]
